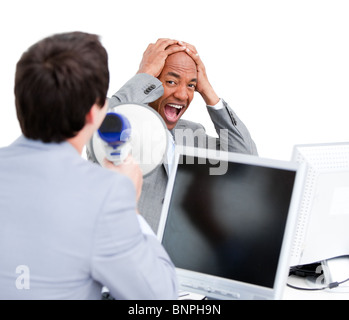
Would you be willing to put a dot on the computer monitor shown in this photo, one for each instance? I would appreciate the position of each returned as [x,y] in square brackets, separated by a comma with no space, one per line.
[323,224]
[227,223]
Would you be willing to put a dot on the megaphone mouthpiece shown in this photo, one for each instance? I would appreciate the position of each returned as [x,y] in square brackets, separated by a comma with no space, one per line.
[115,131]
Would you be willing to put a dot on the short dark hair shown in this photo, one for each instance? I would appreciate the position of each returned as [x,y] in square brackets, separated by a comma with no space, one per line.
[57,82]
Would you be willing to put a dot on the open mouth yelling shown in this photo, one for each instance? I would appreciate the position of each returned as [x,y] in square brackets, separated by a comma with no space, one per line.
[173,112]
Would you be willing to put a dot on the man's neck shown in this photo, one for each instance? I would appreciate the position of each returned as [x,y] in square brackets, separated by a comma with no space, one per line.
[79,141]
[76,145]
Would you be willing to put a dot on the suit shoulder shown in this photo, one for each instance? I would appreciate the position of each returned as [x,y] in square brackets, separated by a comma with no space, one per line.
[99,177]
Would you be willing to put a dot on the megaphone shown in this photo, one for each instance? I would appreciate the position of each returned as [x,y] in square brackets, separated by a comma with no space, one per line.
[131,129]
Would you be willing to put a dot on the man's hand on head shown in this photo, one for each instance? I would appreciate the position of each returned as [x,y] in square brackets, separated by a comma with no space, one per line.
[155,55]
[154,58]
[203,85]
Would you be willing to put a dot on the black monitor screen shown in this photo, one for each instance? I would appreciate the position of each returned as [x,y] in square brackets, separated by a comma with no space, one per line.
[229,225]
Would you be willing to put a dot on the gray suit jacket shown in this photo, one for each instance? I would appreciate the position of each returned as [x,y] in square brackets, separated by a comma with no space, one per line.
[68,227]
[144,89]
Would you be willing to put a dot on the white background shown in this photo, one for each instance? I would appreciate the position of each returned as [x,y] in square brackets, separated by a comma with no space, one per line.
[283,66]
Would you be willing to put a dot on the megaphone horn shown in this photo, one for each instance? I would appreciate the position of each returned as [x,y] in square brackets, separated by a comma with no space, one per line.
[135,129]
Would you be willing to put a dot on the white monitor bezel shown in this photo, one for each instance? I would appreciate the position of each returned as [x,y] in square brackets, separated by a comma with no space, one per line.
[231,289]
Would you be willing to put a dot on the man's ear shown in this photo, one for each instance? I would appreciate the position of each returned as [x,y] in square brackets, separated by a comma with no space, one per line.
[96,115]
[91,115]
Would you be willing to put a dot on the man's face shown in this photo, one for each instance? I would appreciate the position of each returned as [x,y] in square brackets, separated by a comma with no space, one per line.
[179,78]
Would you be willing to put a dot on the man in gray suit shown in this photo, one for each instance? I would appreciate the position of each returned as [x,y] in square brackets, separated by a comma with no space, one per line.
[69,227]
[169,74]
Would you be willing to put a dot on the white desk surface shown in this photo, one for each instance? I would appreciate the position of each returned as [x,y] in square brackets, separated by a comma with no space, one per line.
[340,293]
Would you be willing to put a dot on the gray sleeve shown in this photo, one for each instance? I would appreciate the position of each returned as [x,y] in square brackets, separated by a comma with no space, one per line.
[142,88]
[133,265]
[235,137]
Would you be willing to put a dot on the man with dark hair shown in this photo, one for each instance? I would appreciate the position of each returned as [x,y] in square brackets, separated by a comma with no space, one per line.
[69,227]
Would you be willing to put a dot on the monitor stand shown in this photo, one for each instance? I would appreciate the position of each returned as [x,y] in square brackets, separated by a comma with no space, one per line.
[321,276]
[337,270]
